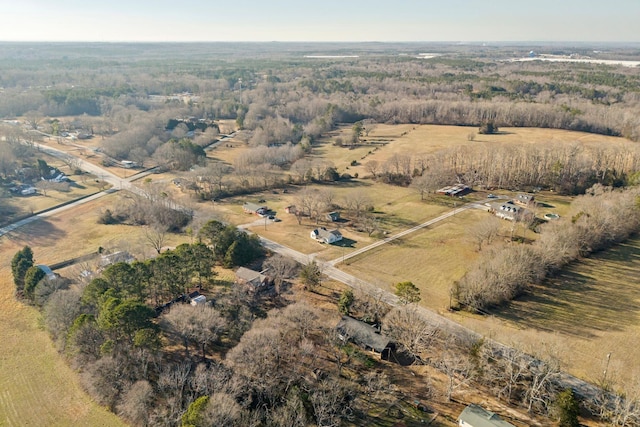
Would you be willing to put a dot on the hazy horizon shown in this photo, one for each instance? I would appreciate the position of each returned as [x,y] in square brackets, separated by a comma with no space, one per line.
[544,21]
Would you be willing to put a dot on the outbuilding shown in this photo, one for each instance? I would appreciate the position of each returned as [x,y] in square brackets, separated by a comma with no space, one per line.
[199,300]
[476,416]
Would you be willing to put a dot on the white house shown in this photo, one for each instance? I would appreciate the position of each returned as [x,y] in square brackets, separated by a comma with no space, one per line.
[321,234]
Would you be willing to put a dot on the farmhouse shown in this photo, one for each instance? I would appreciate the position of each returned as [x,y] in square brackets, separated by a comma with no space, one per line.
[291,209]
[323,235]
[476,416]
[128,164]
[508,211]
[364,335]
[524,199]
[254,208]
[454,190]
[254,279]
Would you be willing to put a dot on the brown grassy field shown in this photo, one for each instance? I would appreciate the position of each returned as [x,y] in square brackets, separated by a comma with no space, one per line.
[419,139]
[36,385]
[589,310]
[432,258]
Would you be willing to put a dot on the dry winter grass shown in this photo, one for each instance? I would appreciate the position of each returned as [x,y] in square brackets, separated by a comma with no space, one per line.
[591,309]
[432,258]
[37,387]
[423,139]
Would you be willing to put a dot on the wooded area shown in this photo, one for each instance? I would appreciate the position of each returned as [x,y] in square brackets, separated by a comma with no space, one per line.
[253,358]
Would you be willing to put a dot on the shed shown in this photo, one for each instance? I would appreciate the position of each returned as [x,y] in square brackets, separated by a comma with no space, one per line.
[333,216]
[476,416]
[49,274]
[364,335]
[199,300]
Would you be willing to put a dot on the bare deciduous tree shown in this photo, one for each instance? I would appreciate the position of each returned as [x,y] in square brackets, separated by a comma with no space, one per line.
[135,403]
[280,268]
[407,326]
[156,235]
[485,230]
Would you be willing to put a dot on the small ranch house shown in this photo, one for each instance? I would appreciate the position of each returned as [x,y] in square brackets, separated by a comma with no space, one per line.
[364,335]
[253,279]
[509,211]
[255,209]
[323,235]
[476,416]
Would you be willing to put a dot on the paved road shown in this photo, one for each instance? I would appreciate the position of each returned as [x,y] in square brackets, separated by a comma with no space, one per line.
[328,268]
[564,380]
[116,182]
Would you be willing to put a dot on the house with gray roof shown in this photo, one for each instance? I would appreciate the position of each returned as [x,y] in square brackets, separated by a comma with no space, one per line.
[524,199]
[509,211]
[254,208]
[476,416]
[323,235]
[366,336]
[254,279]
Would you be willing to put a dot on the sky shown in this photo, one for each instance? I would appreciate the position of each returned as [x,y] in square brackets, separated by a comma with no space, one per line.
[317,20]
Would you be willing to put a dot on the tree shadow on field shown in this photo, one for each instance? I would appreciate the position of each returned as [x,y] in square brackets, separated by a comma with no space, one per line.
[590,296]
[41,232]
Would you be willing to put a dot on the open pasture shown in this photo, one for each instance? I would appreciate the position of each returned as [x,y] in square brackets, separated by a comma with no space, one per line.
[432,258]
[37,386]
[590,309]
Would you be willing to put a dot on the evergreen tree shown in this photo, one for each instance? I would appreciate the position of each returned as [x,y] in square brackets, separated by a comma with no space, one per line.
[31,279]
[21,262]
[568,409]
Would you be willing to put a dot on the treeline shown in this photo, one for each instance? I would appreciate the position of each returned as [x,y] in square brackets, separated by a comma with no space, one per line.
[291,100]
[568,169]
[599,219]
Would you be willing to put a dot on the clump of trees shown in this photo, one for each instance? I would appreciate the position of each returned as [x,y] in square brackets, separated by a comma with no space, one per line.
[599,219]
[231,246]
[21,262]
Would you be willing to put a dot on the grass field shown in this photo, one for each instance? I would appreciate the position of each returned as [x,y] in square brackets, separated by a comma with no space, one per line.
[432,258]
[591,309]
[421,139]
[36,386]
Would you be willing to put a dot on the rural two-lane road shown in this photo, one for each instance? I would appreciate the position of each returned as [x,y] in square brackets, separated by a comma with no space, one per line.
[328,268]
